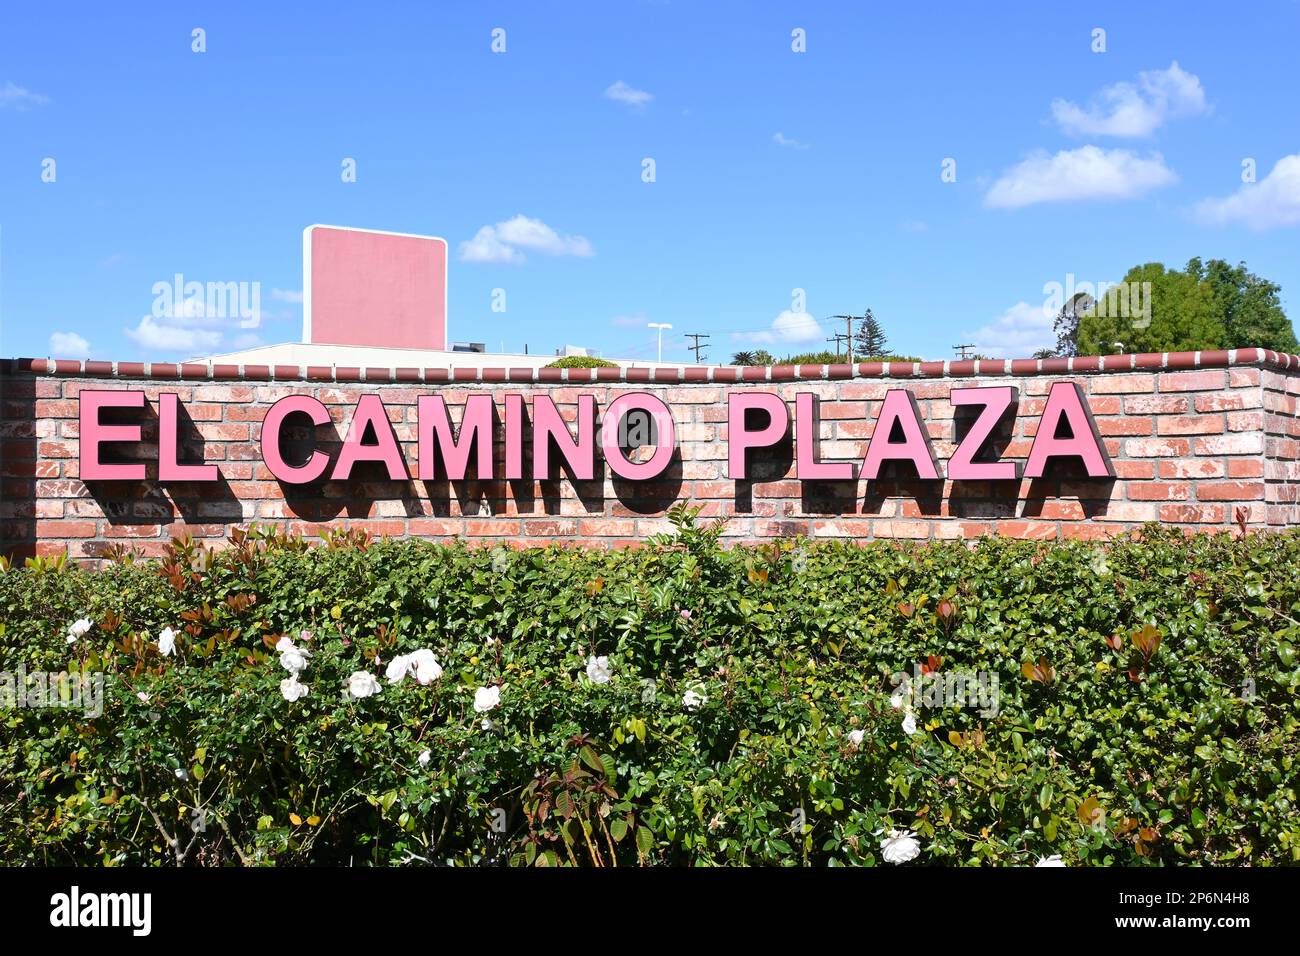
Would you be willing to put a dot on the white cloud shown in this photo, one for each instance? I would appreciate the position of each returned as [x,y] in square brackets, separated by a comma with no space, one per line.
[788,328]
[19,98]
[1076,174]
[68,345]
[1018,332]
[620,92]
[287,295]
[503,242]
[1134,109]
[1272,202]
[782,140]
[487,247]
[160,337]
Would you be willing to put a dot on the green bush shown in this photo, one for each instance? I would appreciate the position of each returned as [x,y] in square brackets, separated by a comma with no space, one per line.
[581,361]
[825,357]
[1146,709]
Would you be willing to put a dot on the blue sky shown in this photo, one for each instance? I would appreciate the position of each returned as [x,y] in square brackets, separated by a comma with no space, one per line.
[775,170]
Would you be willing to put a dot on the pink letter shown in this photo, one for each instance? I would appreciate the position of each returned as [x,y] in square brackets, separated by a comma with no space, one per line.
[806,422]
[169,464]
[996,400]
[1066,400]
[739,440]
[93,434]
[665,440]
[370,411]
[547,424]
[476,425]
[899,409]
[514,438]
[275,463]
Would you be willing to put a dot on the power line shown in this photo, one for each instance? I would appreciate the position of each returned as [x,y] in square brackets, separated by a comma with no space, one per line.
[963,351]
[695,346]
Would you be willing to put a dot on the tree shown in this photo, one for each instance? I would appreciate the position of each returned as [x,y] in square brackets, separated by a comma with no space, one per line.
[1251,307]
[1208,305]
[1045,354]
[756,357]
[872,340]
[743,358]
[1066,325]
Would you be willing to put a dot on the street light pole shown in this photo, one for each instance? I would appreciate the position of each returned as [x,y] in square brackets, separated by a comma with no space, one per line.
[660,326]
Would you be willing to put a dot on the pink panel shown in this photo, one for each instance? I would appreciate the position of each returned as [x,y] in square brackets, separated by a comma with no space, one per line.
[374,288]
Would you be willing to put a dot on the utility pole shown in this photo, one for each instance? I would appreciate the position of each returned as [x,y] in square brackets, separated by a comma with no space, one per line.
[848,324]
[963,351]
[695,346]
[837,338]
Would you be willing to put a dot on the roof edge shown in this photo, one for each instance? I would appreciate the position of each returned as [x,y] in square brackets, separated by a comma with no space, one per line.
[682,374]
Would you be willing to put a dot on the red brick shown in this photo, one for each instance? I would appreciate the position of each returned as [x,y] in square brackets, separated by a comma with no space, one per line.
[1191,468]
[1189,424]
[1157,447]
[1193,514]
[1159,491]
[1230,490]
[1200,381]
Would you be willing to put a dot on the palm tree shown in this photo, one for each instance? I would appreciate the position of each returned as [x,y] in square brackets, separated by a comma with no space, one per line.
[743,358]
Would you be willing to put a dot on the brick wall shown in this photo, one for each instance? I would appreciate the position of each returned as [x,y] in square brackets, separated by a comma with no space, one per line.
[1198,440]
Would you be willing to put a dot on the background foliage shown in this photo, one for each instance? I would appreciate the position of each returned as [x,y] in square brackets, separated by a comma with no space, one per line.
[1148,708]
[1208,305]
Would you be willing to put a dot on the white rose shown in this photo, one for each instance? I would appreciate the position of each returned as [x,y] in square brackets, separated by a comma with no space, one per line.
[693,699]
[167,642]
[1053,860]
[363,684]
[424,758]
[598,671]
[424,666]
[397,669]
[291,690]
[489,724]
[485,698]
[284,644]
[856,737]
[78,628]
[909,724]
[144,698]
[900,846]
[294,660]
[897,701]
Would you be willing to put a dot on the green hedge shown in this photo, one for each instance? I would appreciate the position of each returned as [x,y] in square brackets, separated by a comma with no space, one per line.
[581,361]
[1146,713]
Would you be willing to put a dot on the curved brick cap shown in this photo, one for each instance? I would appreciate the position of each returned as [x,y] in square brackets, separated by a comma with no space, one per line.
[682,374]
